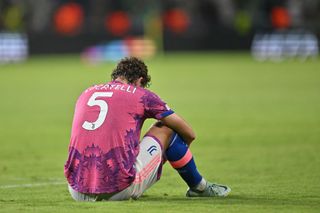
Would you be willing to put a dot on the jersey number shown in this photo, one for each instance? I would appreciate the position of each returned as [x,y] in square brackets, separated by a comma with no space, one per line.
[103,110]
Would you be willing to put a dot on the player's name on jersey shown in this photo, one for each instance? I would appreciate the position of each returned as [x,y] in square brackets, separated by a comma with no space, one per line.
[121,87]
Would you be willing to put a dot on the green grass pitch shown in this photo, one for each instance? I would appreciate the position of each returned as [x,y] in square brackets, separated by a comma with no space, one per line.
[257,125]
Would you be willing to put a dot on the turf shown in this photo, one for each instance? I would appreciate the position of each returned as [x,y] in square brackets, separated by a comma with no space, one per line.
[257,125]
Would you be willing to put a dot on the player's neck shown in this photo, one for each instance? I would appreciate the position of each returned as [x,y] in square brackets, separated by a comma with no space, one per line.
[122,80]
[137,83]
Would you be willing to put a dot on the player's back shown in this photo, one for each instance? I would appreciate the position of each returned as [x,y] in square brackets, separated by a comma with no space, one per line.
[105,138]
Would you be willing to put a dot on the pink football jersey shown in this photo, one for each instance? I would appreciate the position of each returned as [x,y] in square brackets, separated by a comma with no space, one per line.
[105,136]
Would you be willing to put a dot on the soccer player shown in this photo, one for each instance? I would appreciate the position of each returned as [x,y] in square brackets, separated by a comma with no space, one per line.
[106,159]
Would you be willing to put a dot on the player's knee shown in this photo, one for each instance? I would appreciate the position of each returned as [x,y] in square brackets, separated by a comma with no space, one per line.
[160,125]
[161,132]
[193,137]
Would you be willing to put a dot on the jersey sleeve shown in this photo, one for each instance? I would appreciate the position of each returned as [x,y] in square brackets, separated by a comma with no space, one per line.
[154,107]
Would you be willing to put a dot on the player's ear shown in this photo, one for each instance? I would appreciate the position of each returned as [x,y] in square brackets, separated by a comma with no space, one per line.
[138,82]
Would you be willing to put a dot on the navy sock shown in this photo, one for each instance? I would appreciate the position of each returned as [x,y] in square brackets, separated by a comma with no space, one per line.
[180,158]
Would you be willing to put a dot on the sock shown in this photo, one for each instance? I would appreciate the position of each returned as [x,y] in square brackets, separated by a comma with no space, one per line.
[179,156]
[201,186]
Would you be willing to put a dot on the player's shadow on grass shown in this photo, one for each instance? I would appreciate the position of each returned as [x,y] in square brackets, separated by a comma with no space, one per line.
[310,201]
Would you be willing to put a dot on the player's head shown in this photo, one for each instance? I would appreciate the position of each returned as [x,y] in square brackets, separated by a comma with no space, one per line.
[132,70]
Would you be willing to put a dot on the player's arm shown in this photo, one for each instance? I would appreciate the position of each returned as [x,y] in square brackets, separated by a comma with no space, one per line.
[180,126]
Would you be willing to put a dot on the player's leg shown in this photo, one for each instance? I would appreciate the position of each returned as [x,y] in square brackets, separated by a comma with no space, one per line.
[149,161]
[180,157]
[148,166]
[158,141]
[178,154]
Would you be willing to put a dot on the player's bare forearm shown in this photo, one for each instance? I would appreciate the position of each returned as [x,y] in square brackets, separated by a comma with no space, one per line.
[180,126]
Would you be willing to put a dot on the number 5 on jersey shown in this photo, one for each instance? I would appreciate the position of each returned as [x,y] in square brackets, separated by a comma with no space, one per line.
[103,110]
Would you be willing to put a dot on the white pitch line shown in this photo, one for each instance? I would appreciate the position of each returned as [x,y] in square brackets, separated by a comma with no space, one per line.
[29,185]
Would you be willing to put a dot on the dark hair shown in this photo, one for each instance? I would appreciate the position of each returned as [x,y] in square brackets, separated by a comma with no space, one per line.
[132,68]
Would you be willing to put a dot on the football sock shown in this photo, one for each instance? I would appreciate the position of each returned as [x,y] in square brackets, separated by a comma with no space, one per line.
[179,156]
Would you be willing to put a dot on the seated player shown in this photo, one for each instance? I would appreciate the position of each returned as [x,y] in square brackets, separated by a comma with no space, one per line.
[106,159]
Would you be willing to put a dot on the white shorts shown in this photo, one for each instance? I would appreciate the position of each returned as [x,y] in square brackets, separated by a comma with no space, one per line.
[148,167]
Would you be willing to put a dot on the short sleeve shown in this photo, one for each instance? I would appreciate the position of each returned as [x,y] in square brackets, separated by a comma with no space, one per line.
[154,107]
